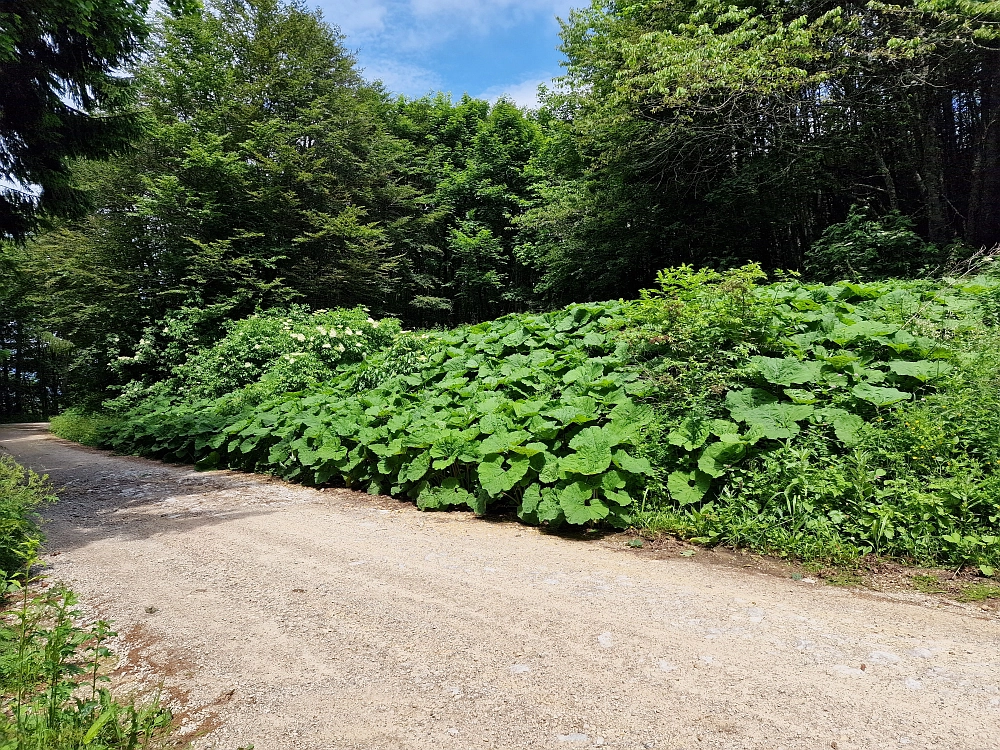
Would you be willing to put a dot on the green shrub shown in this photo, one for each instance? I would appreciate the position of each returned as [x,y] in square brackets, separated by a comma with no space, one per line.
[81,426]
[864,247]
[21,493]
[259,357]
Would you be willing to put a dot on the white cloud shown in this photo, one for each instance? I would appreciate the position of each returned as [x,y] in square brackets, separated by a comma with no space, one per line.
[486,15]
[358,19]
[396,41]
[523,94]
[402,78]
[423,24]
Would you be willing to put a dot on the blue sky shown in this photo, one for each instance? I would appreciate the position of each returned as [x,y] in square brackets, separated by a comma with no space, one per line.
[486,48]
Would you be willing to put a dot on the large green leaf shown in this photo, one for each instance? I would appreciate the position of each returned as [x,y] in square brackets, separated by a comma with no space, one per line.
[492,475]
[519,467]
[532,498]
[567,414]
[720,427]
[879,396]
[549,473]
[593,452]
[417,468]
[799,396]
[787,371]
[845,334]
[742,401]
[493,423]
[613,480]
[585,373]
[579,504]
[633,413]
[775,421]
[717,456]
[631,464]
[619,498]
[923,370]
[549,510]
[846,426]
[688,487]
[495,480]
[691,434]
[502,442]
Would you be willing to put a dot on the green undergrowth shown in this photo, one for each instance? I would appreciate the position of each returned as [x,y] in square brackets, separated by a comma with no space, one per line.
[811,420]
[22,493]
[53,663]
[80,427]
[52,679]
[535,413]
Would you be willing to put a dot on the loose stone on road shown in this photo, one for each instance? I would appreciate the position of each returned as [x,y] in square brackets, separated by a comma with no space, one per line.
[287,617]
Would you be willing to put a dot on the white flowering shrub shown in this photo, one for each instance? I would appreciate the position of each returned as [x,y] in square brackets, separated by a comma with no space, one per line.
[289,350]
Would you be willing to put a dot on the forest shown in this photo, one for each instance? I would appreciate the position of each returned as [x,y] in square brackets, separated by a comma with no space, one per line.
[709,286]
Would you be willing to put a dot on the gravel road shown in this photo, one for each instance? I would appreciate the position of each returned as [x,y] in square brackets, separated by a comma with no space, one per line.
[286,617]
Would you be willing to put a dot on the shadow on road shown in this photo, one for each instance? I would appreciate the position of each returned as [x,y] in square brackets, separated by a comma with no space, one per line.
[107,496]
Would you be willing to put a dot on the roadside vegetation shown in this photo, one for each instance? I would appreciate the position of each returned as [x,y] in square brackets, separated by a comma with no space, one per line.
[249,256]
[818,421]
[53,663]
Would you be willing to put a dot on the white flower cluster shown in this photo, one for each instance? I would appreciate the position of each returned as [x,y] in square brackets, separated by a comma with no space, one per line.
[331,333]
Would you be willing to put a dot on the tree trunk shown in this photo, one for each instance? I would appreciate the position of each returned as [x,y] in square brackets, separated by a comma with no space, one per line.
[931,176]
[983,224]
[886,173]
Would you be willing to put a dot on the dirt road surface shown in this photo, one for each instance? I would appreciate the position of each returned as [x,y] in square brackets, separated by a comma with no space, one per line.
[286,617]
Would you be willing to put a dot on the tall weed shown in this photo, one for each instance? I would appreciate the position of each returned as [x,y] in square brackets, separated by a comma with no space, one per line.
[53,683]
[22,492]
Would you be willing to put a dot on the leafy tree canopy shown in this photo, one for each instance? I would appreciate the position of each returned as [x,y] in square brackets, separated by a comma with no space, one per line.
[62,96]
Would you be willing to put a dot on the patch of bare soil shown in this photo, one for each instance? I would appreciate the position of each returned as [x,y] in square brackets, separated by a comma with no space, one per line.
[286,617]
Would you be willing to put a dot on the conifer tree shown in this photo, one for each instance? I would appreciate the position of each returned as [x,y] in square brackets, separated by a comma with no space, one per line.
[62,96]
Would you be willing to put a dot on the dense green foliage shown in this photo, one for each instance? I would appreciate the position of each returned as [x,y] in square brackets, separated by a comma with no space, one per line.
[807,419]
[832,420]
[79,426]
[851,140]
[238,295]
[21,493]
[62,97]
[534,412]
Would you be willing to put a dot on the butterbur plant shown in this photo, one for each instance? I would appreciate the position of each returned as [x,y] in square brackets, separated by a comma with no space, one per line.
[816,420]
[533,413]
